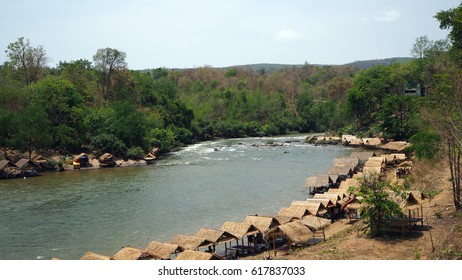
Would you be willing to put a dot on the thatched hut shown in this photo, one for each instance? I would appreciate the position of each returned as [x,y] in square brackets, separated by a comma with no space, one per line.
[196,255]
[129,253]
[333,197]
[294,212]
[162,251]
[296,233]
[215,235]
[188,242]
[343,172]
[27,165]
[362,156]
[372,142]
[107,160]
[239,229]
[262,223]
[315,208]
[397,146]
[316,225]
[350,182]
[90,256]
[352,162]
[318,183]
[8,169]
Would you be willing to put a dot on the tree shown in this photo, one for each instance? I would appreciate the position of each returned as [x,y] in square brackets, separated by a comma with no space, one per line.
[64,108]
[378,207]
[452,20]
[108,62]
[421,46]
[33,131]
[27,60]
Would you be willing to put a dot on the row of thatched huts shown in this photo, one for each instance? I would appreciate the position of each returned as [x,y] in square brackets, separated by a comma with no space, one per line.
[22,168]
[302,223]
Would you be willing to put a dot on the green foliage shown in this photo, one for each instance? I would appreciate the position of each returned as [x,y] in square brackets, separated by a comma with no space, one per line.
[135,153]
[108,143]
[426,144]
[378,207]
[164,139]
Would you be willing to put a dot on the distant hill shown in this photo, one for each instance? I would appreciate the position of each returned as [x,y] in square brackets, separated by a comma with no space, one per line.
[365,64]
[362,64]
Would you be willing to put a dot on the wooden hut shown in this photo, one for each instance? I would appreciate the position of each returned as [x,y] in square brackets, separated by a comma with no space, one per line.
[362,156]
[296,233]
[107,160]
[239,230]
[343,172]
[90,256]
[317,225]
[161,251]
[196,255]
[188,242]
[8,169]
[294,212]
[315,208]
[262,223]
[372,142]
[352,162]
[215,235]
[27,166]
[318,183]
[129,253]
[333,197]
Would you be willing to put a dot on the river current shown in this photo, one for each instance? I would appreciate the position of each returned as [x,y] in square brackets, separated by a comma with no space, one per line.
[66,214]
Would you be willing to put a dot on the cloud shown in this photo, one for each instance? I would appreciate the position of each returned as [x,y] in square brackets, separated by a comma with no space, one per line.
[388,16]
[286,35]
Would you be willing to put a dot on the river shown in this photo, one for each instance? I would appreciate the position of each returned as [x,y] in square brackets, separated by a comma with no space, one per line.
[65,214]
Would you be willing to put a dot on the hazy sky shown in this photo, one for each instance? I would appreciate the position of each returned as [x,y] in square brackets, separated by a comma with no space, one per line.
[177,34]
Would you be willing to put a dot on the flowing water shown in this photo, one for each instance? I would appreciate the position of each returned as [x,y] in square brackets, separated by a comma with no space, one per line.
[65,214]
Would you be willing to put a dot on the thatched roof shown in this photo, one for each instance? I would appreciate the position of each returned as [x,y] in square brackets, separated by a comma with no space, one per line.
[128,253]
[331,197]
[239,229]
[350,182]
[6,163]
[314,207]
[263,223]
[25,163]
[372,142]
[196,255]
[296,231]
[375,161]
[318,181]
[346,161]
[90,256]
[106,157]
[188,242]
[161,250]
[372,171]
[315,223]
[415,197]
[215,235]
[400,157]
[362,156]
[39,159]
[294,212]
[398,146]
[340,170]
[340,192]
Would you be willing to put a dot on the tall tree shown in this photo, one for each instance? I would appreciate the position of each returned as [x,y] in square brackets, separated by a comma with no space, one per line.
[108,62]
[27,60]
[420,47]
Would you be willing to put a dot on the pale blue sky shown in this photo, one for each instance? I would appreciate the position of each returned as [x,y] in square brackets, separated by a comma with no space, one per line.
[177,34]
